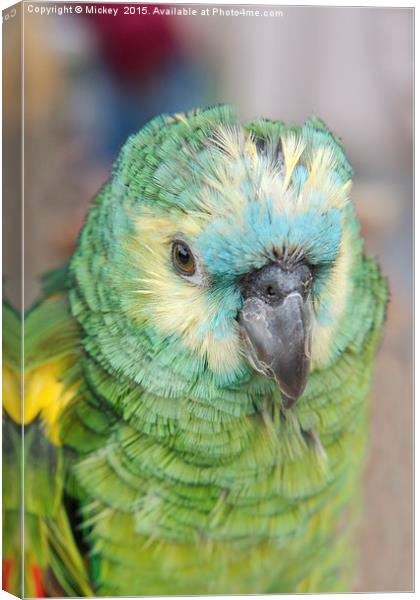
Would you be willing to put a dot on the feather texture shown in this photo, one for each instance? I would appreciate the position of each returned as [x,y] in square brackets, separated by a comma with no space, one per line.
[188,474]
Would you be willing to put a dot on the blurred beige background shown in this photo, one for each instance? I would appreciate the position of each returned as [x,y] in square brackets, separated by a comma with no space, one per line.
[91,81]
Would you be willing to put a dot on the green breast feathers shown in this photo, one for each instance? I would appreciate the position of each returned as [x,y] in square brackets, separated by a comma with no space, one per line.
[220,322]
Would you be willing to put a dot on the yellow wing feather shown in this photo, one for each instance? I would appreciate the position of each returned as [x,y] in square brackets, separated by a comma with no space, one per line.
[48,356]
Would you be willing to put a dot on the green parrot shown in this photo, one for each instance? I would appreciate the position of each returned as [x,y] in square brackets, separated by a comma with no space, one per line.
[196,377]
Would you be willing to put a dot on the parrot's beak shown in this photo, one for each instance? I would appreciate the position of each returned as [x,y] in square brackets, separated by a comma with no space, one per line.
[276,326]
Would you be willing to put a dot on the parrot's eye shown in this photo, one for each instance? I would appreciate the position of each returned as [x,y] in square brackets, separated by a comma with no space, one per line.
[182,258]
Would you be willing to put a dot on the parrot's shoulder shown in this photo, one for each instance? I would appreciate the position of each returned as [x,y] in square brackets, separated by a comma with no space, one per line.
[46,348]
[40,363]
[50,331]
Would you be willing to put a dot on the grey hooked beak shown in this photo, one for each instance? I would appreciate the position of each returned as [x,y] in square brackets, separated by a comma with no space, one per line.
[276,325]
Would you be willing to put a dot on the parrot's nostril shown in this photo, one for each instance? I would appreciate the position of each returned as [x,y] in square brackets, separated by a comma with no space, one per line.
[273,283]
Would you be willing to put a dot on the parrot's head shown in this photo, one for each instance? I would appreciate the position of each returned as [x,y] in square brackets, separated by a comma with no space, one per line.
[219,250]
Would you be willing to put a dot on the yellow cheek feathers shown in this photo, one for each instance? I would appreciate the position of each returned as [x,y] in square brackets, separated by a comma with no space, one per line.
[176,306]
[338,289]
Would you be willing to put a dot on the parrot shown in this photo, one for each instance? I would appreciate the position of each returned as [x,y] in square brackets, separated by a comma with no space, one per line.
[196,377]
